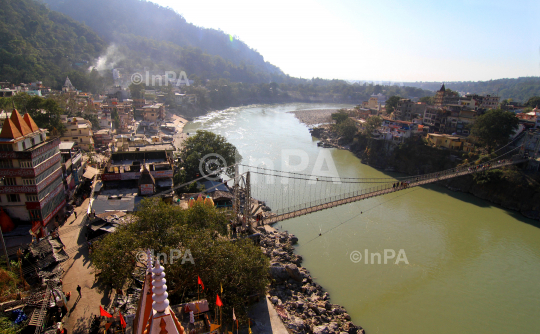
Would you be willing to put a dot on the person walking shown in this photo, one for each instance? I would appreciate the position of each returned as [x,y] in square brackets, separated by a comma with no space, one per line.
[79,290]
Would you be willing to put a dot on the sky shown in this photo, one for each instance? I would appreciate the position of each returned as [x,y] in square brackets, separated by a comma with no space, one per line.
[399,41]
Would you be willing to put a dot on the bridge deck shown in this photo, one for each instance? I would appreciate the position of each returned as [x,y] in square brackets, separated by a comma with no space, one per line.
[413,182]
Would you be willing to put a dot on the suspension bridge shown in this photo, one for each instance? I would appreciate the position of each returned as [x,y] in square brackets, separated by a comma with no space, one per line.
[290,195]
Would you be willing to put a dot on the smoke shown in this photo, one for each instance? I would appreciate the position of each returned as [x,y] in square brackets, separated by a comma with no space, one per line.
[108,61]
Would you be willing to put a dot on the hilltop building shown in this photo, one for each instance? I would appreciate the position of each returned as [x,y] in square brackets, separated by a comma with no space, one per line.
[31,170]
[443,97]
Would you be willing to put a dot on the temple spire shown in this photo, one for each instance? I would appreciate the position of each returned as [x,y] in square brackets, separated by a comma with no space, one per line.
[159,288]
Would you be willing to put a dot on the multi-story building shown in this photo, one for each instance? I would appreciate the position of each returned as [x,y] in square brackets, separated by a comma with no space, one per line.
[71,167]
[79,131]
[475,102]
[152,113]
[407,110]
[31,171]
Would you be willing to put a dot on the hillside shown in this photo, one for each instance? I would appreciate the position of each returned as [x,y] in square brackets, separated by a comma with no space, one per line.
[39,44]
[128,22]
[520,89]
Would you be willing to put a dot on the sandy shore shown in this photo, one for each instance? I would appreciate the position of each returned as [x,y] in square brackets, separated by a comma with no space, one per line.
[315,116]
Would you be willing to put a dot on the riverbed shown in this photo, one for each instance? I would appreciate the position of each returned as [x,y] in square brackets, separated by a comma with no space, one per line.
[470,266]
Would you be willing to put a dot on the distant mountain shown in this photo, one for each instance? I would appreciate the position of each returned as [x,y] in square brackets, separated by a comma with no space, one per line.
[520,89]
[39,44]
[134,22]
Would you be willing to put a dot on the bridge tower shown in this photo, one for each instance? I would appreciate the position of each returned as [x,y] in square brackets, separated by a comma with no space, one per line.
[242,191]
[532,138]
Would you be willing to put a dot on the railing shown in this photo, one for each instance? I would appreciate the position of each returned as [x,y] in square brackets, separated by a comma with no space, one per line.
[324,203]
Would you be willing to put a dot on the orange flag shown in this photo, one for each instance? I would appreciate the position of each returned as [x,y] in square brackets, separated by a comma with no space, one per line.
[122,321]
[199,281]
[218,301]
[104,313]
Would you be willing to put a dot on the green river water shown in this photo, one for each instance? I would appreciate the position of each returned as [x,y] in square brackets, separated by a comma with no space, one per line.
[472,267]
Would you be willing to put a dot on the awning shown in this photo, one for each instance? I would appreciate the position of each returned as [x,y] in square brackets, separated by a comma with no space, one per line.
[90,172]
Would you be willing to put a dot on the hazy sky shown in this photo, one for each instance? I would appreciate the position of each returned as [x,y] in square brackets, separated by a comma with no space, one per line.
[420,40]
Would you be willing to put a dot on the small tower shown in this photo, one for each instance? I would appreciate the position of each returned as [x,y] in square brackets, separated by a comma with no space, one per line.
[154,315]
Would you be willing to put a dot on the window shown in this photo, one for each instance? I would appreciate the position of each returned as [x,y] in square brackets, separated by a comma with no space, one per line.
[25,163]
[29,182]
[6,164]
[13,198]
[32,198]
[10,181]
[6,148]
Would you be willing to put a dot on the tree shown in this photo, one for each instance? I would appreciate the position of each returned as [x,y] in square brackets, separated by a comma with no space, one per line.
[372,123]
[239,266]
[426,99]
[216,151]
[495,127]
[340,116]
[391,103]
[347,129]
[533,102]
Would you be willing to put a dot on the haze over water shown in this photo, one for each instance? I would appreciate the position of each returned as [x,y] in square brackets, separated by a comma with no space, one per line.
[473,267]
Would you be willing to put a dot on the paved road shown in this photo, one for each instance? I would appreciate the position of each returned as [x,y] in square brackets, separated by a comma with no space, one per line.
[79,271]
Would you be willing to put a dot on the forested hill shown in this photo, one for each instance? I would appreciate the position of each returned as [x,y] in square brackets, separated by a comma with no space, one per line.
[121,21]
[520,89]
[39,44]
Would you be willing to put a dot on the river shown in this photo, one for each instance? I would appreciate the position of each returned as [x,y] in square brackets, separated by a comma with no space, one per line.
[466,265]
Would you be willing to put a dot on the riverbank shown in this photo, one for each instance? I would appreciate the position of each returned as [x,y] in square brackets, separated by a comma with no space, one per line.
[314,116]
[302,304]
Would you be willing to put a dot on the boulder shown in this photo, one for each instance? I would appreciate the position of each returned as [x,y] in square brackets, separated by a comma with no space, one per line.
[296,324]
[278,272]
[322,329]
[293,239]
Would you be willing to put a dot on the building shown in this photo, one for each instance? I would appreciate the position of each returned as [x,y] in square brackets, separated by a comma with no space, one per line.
[68,86]
[31,170]
[152,113]
[407,110]
[79,131]
[451,142]
[125,169]
[103,138]
[72,168]
[443,97]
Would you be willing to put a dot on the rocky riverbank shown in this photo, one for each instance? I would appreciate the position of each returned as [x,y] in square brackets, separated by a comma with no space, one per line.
[512,188]
[315,116]
[302,304]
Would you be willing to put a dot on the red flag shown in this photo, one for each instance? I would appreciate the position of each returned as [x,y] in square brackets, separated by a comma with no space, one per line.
[218,301]
[199,280]
[104,313]
[122,321]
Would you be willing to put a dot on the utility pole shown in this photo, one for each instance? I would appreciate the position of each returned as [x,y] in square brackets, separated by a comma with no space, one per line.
[236,199]
[1,234]
[247,214]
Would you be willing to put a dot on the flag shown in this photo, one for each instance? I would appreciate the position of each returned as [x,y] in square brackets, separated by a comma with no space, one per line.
[122,321]
[199,281]
[221,288]
[104,313]
[249,325]
[187,309]
[197,307]
[234,318]
[218,301]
